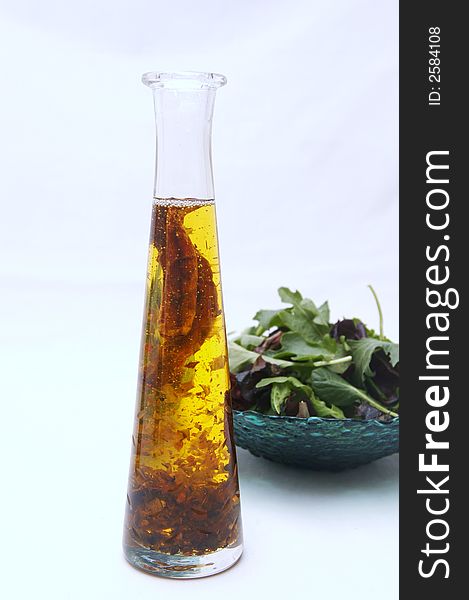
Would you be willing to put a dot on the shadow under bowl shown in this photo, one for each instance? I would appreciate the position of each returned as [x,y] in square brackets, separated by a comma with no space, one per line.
[315,443]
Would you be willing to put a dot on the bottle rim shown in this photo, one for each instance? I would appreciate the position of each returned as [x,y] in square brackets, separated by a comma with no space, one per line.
[183,80]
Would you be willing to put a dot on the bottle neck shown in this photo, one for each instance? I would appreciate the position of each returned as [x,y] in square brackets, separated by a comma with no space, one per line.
[183,143]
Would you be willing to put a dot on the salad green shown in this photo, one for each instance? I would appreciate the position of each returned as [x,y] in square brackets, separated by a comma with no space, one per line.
[296,362]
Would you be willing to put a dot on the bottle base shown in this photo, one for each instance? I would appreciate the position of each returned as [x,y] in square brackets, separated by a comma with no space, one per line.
[180,566]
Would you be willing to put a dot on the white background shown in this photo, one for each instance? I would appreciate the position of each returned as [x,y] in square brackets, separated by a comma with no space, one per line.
[305,155]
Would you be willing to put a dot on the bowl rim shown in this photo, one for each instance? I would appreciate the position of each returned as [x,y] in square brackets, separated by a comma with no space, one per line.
[316,419]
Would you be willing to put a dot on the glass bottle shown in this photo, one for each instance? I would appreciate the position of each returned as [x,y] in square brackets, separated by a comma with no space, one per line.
[183,511]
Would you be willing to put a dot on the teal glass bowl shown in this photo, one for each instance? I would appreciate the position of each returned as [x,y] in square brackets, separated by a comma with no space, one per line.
[315,443]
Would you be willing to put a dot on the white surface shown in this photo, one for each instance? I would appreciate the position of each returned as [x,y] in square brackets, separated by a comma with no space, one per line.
[305,149]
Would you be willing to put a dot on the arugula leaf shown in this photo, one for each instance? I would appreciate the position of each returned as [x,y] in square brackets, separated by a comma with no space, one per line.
[267,319]
[323,410]
[334,389]
[300,322]
[289,297]
[319,315]
[268,380]
[240,357]
[295,346]
[324,314]
[297,300]
[307,305]
[362,353]
[326,350]
[292,381]
[278,396]
[302,317]
[250,341]
[304,310]
[330,343]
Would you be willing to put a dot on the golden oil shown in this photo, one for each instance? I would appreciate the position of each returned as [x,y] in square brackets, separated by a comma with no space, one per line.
[183,491]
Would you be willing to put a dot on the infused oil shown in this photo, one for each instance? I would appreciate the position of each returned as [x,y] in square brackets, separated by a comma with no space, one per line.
[183,495]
